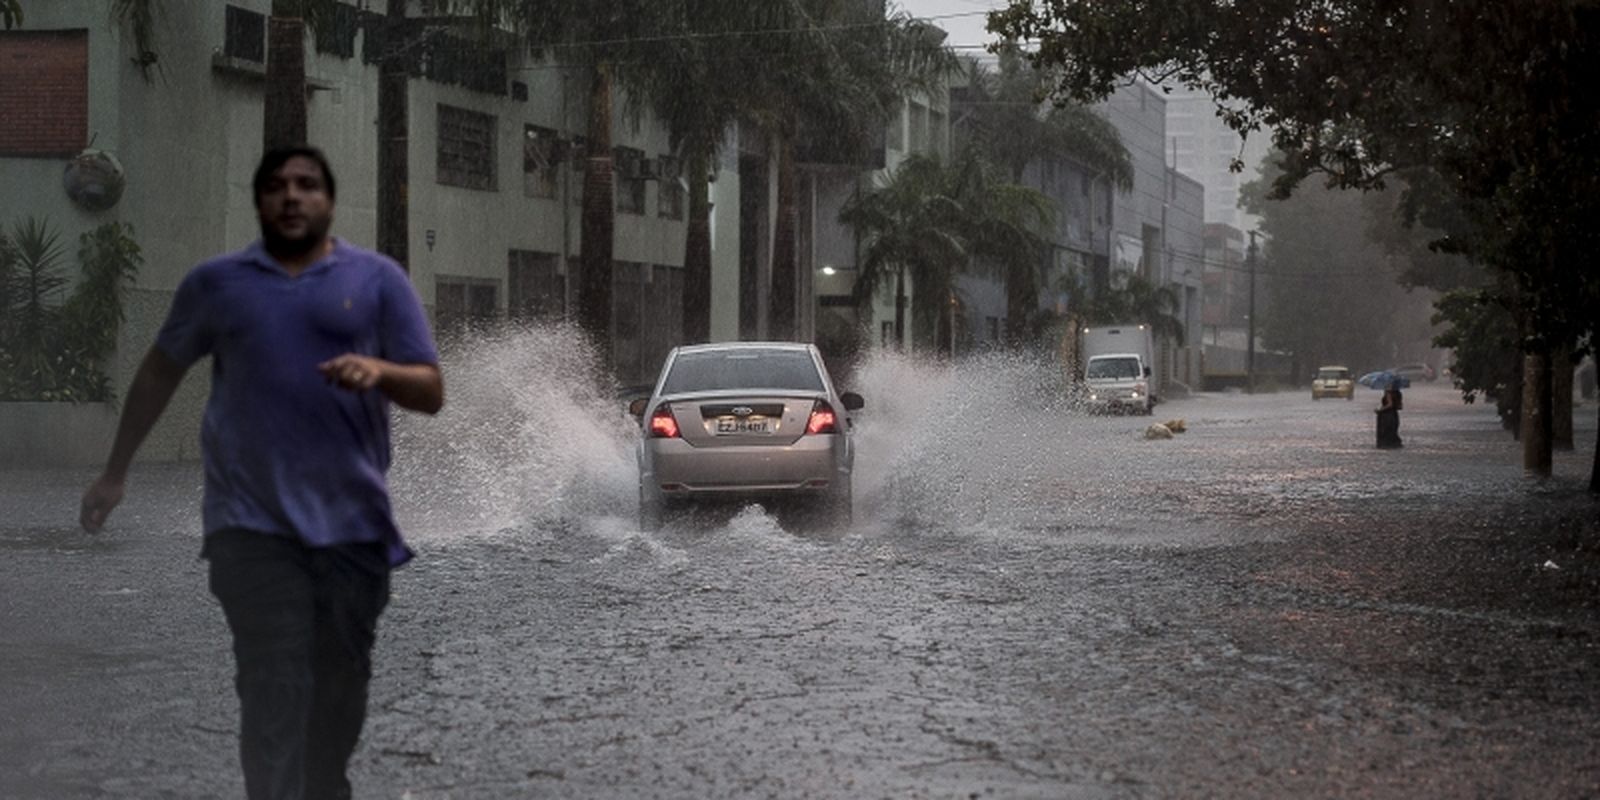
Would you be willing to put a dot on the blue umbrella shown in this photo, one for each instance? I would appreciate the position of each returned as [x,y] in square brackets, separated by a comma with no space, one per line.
[1383,379]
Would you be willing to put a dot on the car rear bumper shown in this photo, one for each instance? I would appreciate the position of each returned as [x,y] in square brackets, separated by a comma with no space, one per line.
[678,469]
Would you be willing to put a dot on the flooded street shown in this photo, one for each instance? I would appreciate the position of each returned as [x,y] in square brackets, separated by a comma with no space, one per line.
[1032,603]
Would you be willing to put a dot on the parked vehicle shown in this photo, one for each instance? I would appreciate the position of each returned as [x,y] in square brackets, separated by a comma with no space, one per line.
[1117,374]
[1333,381]
[1415,372]
[745,421]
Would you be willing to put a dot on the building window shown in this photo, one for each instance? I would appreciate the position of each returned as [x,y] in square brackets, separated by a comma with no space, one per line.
[245,35]
[673,192]
[336,35]
[460,304]
[466,148]
[629,166]
[541,162]
[938,132]
[44,92]
[535,289]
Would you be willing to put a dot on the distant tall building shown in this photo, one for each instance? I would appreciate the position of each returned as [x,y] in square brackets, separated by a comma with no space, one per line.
[1204,147]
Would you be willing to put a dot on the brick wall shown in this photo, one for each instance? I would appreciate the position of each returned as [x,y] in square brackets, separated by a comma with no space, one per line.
[44,93]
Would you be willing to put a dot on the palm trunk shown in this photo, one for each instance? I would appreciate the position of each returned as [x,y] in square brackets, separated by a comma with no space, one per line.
[697,253]
[785,246]
[393,135]
[284,114]
[599,221]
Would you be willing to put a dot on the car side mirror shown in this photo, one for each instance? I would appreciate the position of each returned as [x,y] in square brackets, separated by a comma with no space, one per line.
[1147,372]
[852,401]
[636,408]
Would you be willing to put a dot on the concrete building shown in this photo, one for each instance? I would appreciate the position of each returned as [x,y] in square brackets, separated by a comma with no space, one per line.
[1159,224]
[494,188]
[1205,148]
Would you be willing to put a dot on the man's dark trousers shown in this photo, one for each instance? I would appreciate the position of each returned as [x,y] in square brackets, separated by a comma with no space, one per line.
[303,621]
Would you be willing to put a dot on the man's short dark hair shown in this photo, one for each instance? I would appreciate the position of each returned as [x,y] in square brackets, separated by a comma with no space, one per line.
[275,158]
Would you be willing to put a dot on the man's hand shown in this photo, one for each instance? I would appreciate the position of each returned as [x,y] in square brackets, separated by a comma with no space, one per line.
[352,371]
[417,387]
[102,496]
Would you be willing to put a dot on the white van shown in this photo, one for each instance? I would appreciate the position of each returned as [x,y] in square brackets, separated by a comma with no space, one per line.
[1117,373]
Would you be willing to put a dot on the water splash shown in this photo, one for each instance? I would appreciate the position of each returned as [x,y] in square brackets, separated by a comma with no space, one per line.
[961,445]
[528,442]
[527,437]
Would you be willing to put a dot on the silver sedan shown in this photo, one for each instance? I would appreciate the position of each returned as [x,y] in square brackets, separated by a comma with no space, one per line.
[745,421]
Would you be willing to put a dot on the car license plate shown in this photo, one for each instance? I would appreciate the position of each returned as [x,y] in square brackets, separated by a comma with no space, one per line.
[737,425]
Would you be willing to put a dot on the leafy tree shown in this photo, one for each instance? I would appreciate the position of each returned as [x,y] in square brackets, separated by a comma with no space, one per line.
[1492,98]
[1487,360]
[1333,296]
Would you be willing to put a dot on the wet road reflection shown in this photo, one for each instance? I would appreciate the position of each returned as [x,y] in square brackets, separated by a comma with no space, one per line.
[1033,602]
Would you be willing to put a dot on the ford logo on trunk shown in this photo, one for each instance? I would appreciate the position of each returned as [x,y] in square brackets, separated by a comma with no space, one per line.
[743,411]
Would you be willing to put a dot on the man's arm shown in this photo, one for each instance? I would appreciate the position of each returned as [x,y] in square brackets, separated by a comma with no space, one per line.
[158,377]
[418,387]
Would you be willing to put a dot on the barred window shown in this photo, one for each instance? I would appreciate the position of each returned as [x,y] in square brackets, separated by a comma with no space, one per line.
[629,171]
[466,148]
[541,162]
[244,34]
[673,190]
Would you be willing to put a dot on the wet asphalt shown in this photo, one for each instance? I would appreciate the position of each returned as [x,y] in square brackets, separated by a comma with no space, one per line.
[1032,603]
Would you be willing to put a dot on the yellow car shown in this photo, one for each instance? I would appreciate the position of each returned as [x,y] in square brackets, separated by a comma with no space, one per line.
[1333,381]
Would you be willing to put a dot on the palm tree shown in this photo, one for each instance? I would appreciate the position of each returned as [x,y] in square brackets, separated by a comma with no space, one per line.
[698,89]
[931,222]
[1133,298]
[909,228]
[614,41]
[1007,118]
[834,86]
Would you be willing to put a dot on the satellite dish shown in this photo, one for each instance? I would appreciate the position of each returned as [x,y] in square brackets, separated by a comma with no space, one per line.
[94,179]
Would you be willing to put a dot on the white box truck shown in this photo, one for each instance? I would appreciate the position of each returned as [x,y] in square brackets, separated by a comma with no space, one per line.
[1118,368]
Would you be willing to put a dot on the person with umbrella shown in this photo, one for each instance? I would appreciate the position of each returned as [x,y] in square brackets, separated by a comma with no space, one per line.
[1388,410]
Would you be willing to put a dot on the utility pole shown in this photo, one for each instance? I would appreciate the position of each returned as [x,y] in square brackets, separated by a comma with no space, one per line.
[1250,329]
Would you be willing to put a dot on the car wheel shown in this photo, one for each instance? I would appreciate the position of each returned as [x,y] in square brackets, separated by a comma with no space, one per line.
[652,513]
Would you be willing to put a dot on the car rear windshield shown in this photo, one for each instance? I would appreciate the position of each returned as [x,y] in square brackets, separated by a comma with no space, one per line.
[1113,368]
[743,369]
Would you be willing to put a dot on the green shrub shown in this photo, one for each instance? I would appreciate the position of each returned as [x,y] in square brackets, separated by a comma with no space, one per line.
[54,341]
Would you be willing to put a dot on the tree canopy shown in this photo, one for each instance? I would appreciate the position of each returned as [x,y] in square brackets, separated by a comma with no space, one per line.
[1489,96]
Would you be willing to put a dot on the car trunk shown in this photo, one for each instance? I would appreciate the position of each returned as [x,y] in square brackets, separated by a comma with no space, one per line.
[757,421]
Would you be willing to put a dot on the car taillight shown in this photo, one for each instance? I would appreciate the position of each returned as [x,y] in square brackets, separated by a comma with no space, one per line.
[822,419]
[662,424]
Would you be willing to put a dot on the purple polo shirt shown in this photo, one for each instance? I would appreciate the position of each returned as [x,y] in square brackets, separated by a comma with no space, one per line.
[285,451]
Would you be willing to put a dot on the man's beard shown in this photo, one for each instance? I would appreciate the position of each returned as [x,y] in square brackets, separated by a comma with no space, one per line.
[280,245]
